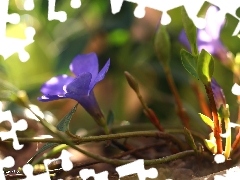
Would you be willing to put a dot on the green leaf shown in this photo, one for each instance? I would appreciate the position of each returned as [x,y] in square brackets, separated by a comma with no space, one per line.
[211,145]
[191,31]
[41,150]
[189,138]
[207,120]
[110,118]
[62,126]
[189,62]
[64,123]
[162,45]
[205,67]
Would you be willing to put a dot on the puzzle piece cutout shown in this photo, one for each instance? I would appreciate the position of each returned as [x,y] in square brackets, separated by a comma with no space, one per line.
[20,125]
[162,6]
[229,7]
[60,15]
[66,164]
[7,162]
[29,5]
[8,45]
[87,173]
[137,167]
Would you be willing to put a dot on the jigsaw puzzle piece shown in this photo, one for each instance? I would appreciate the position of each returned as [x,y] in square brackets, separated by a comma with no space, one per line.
[160,5]
[87,173]
[137,167]
[75,4]
[28,5]
[53,15]
[20,125]
[193,11]
[228,7]
[28,171]
[8,45]
[7,162]
[67,164]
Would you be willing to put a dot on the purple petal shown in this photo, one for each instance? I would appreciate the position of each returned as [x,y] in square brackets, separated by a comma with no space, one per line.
[183,39]
[79,87]
[85,63]
[90,104]
[54,86]
[218,94]
[203,36]
[50,98]
[208,47]
[100,75]
[214,22]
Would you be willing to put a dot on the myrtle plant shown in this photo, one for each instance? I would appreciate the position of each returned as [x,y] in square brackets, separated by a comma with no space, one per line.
[202,48]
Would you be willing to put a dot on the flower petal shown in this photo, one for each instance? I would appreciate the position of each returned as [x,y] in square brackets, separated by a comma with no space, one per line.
[214,22]
[183,39]
[85,63]
[203,36]
[54,86]
[100,75]
[79,87]
[90,104]
[218,94]
[50,98]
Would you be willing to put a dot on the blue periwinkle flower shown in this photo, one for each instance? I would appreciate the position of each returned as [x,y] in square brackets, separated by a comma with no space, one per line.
[79,88]
[209,37]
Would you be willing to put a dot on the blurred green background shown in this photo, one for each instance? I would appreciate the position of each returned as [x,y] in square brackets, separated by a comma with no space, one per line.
[128,42]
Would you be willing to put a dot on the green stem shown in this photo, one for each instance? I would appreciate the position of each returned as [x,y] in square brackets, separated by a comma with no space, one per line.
[217,128]
[228,138]
[118,162]
[181,112]
[99,138]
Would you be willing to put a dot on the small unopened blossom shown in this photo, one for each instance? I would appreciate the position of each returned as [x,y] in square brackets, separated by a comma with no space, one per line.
[218,94]
[80,88]
[209,37]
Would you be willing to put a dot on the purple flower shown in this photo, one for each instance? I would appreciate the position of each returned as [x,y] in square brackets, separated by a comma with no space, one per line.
[209,37]
[218,94]
[79,88]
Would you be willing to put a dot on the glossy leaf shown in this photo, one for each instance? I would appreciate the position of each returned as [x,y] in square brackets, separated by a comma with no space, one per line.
[205,67]
[64,123]
[207,120]
[191,31]
[189,63]
[62,126]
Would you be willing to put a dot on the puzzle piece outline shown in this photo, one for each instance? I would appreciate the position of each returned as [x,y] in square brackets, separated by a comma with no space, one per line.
[191,10]
[66,165]
[9,45]
[7,162]
[20,125]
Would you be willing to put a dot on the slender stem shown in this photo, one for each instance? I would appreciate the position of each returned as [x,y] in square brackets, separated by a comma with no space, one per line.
[117,162]
[236,141]
[217,128]
[201,99]
[181,111]
[227,150]
[98,138]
